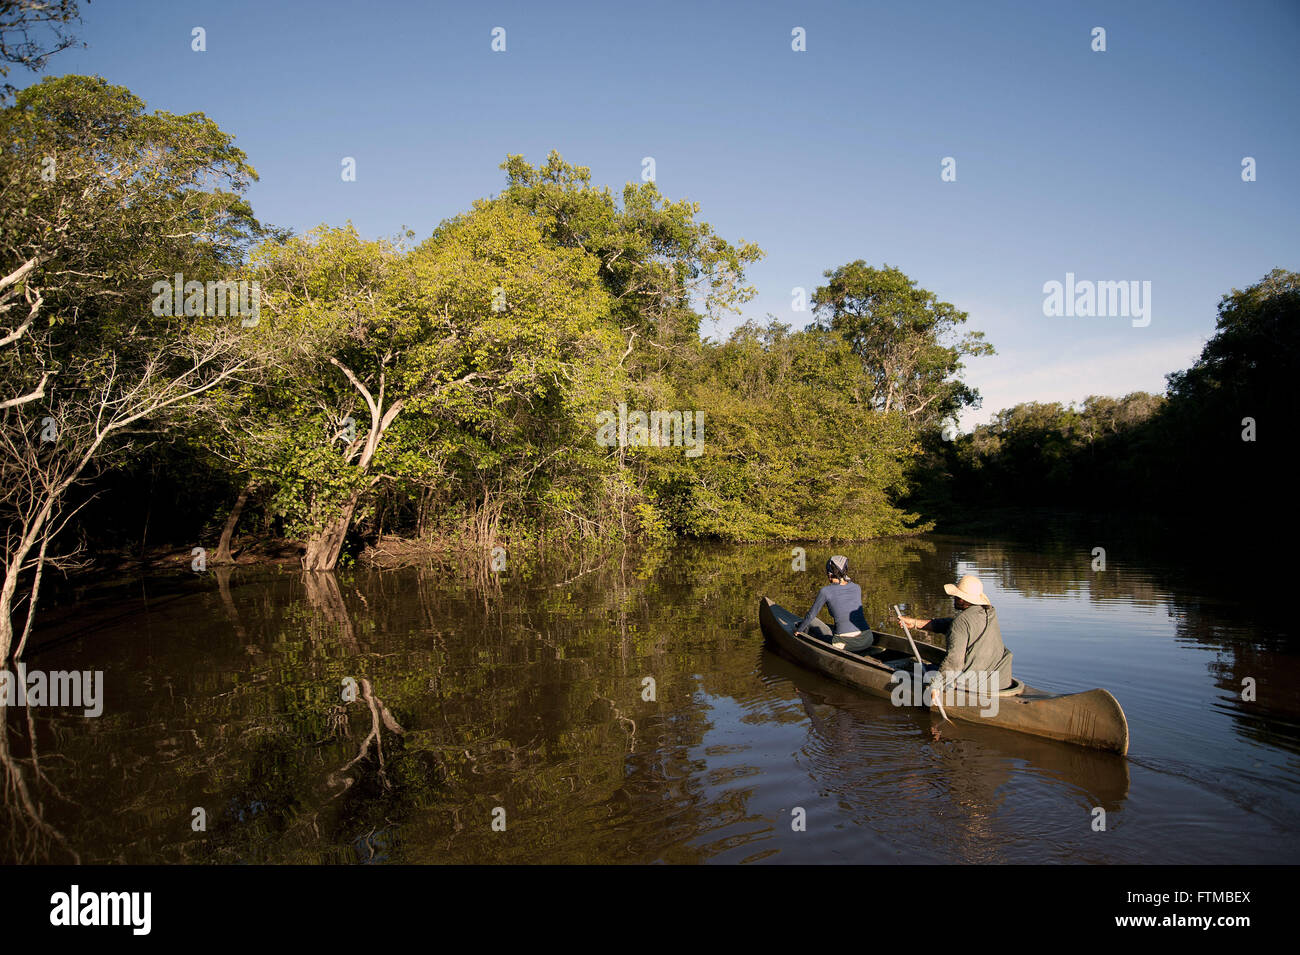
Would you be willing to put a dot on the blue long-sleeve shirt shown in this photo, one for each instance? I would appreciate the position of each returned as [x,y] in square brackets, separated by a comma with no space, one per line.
[845,603]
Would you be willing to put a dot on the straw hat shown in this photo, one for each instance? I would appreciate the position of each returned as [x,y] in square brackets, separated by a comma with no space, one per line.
[968,589]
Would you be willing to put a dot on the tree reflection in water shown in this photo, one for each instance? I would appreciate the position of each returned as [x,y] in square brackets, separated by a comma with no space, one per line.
[522,692]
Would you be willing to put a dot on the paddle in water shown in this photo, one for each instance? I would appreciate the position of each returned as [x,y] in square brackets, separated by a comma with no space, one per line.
[898,611]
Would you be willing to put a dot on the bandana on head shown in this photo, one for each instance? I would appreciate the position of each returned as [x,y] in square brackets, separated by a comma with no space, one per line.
[838,566]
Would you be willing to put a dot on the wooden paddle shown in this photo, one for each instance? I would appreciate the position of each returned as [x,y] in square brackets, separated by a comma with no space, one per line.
[898,611]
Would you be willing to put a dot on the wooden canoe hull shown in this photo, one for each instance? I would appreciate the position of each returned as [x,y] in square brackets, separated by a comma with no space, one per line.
[1092,718]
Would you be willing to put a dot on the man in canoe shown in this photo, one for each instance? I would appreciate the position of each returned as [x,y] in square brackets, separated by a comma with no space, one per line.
[844,599]
[975,645]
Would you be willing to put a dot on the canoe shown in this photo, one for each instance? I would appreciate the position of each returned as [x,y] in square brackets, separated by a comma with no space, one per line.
[1103,776]
[1092,718]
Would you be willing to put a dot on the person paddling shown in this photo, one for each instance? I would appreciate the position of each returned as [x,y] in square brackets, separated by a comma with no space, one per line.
[975,645]
[844,599]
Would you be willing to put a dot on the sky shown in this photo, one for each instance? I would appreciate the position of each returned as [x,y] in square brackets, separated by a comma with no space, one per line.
[1122,165]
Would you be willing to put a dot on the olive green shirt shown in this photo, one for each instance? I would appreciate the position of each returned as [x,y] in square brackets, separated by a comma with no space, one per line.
[974,646]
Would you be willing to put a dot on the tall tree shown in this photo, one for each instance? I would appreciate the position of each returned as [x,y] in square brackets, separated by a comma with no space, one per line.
[100,200]
[1229,417]
[664,270]
[903,335]
[657,260]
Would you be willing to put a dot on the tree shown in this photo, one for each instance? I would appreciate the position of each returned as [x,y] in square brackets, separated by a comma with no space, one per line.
[98,201]
[787,452]
[900,333]
[663,270]
[411,367]
[1254,353]
[23,21]
[656,259]
[1227,424]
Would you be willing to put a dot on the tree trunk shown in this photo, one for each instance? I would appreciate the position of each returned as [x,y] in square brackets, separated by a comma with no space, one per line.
[17,558]
[223,547]
[7,591]
[324,548]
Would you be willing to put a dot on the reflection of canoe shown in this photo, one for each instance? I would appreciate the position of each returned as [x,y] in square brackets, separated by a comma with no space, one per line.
[1092,718]
[1104,776]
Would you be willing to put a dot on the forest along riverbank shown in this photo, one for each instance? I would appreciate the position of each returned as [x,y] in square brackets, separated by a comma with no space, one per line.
[632,714]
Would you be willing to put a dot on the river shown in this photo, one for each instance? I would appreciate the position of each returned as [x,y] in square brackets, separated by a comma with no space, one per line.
[628,712]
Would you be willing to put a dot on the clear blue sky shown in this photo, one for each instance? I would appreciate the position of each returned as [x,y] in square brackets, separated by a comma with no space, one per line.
[1122,165]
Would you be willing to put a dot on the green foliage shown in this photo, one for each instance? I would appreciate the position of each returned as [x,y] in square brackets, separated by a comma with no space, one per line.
[483,350]
[450,388]
[1054,454]
[100,199]
[1226,432]
[1172,455]
[114,195]
[789,451]
[655,258]
[103,199]
[499,337]
[1251,360]
[901,332]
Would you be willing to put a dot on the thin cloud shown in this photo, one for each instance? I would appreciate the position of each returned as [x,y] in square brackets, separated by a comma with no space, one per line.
[1004,381]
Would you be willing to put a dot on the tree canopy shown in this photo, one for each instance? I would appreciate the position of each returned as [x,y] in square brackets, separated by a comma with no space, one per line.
[905,338]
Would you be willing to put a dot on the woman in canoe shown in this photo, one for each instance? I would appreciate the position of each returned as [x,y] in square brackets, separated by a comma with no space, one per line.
[844,599]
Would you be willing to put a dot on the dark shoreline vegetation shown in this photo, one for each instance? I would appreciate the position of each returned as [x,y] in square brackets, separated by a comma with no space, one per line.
[387,398]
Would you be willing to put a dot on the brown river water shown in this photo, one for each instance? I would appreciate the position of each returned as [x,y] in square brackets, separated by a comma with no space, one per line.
[531,732]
